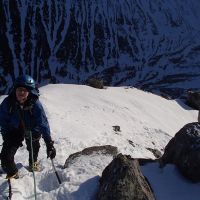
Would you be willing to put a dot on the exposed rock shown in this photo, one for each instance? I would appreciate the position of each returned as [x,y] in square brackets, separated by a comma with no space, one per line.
[193,99]
[96,83]
[116,128]
[131,143]
[83,169]
[123,180]
[183,150]
[104,150]
[155,152]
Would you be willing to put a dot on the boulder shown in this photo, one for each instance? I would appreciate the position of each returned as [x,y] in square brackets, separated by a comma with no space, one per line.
[123,180]
[183,150]
[96,83]
[103,150]
[193,99]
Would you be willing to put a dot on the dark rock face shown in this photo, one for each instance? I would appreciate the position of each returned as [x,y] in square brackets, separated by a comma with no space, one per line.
[123,180]
[145,44]
[96,83]
[183,150]
[193,100]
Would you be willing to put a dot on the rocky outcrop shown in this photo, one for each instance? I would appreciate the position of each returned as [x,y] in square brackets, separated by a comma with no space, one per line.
[96,83]
[193,99]
[183,150]
[98,150]
[123,180]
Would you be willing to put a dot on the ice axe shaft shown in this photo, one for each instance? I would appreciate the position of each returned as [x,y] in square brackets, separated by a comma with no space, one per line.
[55,171]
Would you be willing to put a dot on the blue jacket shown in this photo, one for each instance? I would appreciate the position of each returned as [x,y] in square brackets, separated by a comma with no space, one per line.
[34,116]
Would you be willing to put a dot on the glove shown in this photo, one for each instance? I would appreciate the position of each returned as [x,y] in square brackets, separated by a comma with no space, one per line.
[51,151]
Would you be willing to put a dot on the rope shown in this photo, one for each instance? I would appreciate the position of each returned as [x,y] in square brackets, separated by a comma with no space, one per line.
[31,141]
[21,114]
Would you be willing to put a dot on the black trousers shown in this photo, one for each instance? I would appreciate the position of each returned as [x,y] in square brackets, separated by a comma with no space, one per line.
[35,146]
[9,150]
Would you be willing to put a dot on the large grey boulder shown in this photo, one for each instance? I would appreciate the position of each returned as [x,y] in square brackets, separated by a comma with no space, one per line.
[96,83]
[193,99]
[98,150]
[123,180]
[183,150]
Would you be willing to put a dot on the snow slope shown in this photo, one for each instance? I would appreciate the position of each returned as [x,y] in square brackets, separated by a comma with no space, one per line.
[80,117]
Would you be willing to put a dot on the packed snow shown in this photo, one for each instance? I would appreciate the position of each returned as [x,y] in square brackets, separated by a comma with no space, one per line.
[82,116]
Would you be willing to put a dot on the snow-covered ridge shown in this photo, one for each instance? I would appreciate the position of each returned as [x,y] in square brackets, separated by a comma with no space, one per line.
[78,111]
[80,117]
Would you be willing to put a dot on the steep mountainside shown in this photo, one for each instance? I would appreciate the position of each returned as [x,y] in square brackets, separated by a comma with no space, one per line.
[153,45]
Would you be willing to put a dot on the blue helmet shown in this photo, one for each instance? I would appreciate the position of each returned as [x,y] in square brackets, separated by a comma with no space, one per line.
[25,81]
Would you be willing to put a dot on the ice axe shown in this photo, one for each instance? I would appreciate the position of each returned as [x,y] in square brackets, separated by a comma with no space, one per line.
[55,171]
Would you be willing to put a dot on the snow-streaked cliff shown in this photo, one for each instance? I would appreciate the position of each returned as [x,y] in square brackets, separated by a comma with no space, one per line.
[152,45]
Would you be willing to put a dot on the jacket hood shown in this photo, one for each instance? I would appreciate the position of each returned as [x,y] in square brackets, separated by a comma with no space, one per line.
[32,91]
